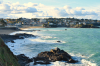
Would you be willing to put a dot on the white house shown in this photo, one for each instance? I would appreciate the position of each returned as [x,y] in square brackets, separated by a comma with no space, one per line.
[17,24]
[42,20]
[59,23]
[50,23]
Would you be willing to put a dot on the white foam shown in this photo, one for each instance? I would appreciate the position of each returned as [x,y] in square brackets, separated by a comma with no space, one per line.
[32,32]
[63,63]
[21,47]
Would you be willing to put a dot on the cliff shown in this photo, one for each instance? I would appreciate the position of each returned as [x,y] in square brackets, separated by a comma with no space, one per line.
[6,56]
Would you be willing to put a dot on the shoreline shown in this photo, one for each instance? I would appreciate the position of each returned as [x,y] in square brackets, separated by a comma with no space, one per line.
[12,45]
[22,28]
[9,30]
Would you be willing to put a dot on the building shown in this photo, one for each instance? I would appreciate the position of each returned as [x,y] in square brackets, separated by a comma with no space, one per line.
[42,20]
[0,24]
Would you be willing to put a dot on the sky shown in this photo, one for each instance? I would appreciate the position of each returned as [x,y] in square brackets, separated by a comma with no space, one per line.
[86,9]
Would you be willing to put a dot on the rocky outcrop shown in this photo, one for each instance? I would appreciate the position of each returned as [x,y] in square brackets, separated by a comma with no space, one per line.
[58,41]
[23,60]
[52,56]
[10,38]
[9,28]
[85,26]
[89,26]
[7,58]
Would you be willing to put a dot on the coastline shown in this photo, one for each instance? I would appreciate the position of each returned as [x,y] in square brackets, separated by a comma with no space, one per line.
[22,28]
[9,30]
[6,31]
[19,43]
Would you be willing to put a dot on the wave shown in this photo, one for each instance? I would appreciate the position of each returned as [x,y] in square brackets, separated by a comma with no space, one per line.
[32,46]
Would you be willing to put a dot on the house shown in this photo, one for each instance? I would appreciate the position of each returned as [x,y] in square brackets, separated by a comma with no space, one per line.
[50,23]
[0,23]
[59,24]
[5,20]
[18,24]
[84,23]
[42,20]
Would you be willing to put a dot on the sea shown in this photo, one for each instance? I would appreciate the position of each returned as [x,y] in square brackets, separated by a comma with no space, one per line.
[83,44]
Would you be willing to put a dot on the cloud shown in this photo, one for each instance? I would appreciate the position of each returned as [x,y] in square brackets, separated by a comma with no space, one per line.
[30,10]
[90,13]
[79,8]
[61,12]
[30,4]
[41,10]
[3,16]
[67,7]
[4,7]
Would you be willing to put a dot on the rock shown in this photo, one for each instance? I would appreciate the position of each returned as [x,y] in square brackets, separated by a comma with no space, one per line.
[57,49]
[7,38]
[23,60]
[12,46]
[46,62]
[52,56]
[58,41]
[12,41]
[21,37]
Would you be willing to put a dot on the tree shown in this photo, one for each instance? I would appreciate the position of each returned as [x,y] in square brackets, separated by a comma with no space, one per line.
[3,22]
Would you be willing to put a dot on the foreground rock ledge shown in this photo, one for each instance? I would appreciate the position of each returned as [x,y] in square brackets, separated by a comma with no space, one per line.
[10,38]
[52,56]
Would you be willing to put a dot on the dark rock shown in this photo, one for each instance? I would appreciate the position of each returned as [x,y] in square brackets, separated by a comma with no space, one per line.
[10,38]
[12,41]
[52,56]
[23,60]
[12,46]
[21,37]
[58,41]
[46,62]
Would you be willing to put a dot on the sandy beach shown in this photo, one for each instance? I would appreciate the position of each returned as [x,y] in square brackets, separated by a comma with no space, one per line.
[8,31]
[22,28]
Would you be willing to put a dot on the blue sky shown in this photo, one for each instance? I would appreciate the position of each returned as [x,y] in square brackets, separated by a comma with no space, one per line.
[50,8]
[60,3]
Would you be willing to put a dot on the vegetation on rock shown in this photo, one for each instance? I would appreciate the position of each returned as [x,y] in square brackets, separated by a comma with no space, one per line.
[7,58]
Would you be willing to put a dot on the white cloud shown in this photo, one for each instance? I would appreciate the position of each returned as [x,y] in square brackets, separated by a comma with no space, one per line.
[67,7]
[4,7]
[30,10]
[41,10]
[30,4]
[79,8]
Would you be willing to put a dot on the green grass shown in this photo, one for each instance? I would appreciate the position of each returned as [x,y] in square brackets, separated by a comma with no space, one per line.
[6,56]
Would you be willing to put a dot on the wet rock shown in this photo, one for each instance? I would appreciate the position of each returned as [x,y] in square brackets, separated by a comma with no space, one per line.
[58,41]
[12,46]
[9,38]
[21,37]
[12,41]
[53,55]
[23,60]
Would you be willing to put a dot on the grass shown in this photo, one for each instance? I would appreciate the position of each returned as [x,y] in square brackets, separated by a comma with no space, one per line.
[7,58]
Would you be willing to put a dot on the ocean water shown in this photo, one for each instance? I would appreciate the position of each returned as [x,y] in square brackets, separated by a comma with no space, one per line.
[83,44]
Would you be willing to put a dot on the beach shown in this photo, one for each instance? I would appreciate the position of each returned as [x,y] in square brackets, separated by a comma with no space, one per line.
[8,31]
[27,27]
